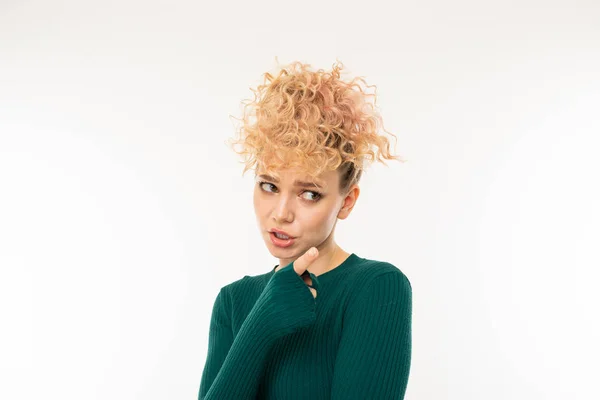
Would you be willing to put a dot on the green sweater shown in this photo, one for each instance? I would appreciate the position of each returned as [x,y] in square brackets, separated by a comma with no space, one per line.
[269,338]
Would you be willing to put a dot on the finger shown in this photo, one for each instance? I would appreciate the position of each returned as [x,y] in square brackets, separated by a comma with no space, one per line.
[302,263]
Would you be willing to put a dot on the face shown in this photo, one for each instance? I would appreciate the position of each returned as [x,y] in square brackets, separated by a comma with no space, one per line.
[307,213]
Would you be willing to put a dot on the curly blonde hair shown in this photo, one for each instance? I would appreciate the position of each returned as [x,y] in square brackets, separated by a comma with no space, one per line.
[314,121]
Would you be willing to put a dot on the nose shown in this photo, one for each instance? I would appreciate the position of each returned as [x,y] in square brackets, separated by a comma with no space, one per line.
[283,211]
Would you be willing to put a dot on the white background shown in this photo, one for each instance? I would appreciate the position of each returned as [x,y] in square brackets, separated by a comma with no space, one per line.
[122,210]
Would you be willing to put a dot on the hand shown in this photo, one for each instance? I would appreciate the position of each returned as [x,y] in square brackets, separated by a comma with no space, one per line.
[283,307]
[301,264]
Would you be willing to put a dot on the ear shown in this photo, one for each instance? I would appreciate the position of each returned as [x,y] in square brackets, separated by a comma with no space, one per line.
[349,202]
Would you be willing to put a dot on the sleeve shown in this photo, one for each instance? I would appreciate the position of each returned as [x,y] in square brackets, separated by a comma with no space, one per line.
[374,355]
[220,339]
[236,366]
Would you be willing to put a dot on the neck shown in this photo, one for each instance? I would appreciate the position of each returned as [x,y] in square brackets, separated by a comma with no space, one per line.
[330,256]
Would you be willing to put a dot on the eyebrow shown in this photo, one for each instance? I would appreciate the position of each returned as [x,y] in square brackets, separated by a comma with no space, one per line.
[296,182]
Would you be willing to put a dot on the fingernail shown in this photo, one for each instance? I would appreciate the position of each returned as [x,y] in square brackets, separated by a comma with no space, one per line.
[312,251]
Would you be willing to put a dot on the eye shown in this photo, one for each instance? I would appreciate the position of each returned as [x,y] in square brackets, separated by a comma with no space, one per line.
[261,183]
[316,196]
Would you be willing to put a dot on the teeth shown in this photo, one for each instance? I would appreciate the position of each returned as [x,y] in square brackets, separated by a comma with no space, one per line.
[281,236]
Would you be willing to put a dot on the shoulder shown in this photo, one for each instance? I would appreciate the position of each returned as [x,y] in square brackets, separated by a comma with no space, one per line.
[245,287]
[370,271]
[380,280]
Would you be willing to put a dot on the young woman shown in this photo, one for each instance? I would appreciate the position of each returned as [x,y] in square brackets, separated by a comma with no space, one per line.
[323,323]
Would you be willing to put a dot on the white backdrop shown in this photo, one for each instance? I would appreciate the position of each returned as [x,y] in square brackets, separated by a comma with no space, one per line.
[122,211]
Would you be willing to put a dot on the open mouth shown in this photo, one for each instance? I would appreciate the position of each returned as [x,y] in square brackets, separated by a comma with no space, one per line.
[281,242]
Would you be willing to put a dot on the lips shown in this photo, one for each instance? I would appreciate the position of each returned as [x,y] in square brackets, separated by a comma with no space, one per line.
[282,233]
[282,243]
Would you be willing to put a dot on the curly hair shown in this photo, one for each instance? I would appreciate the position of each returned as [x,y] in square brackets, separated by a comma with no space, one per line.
[314,121]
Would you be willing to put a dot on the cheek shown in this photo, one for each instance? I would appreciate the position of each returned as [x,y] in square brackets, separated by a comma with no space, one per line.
[330,218]
[262,206]
[318,222]
[256,201]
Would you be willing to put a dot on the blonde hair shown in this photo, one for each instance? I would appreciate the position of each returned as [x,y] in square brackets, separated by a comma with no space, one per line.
[314,121]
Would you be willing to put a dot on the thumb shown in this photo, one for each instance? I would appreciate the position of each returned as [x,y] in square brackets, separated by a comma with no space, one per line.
[303,262]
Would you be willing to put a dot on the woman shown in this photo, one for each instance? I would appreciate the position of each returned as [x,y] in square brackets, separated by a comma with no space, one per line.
[328,325]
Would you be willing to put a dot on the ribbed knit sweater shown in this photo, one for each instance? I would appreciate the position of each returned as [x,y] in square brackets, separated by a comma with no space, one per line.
[269,338]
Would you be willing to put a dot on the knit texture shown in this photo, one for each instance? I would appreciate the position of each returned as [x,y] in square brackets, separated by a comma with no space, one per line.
[269,338]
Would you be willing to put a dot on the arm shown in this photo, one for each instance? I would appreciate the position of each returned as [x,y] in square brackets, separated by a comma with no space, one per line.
[373,360]
[285,305]
[220,339]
